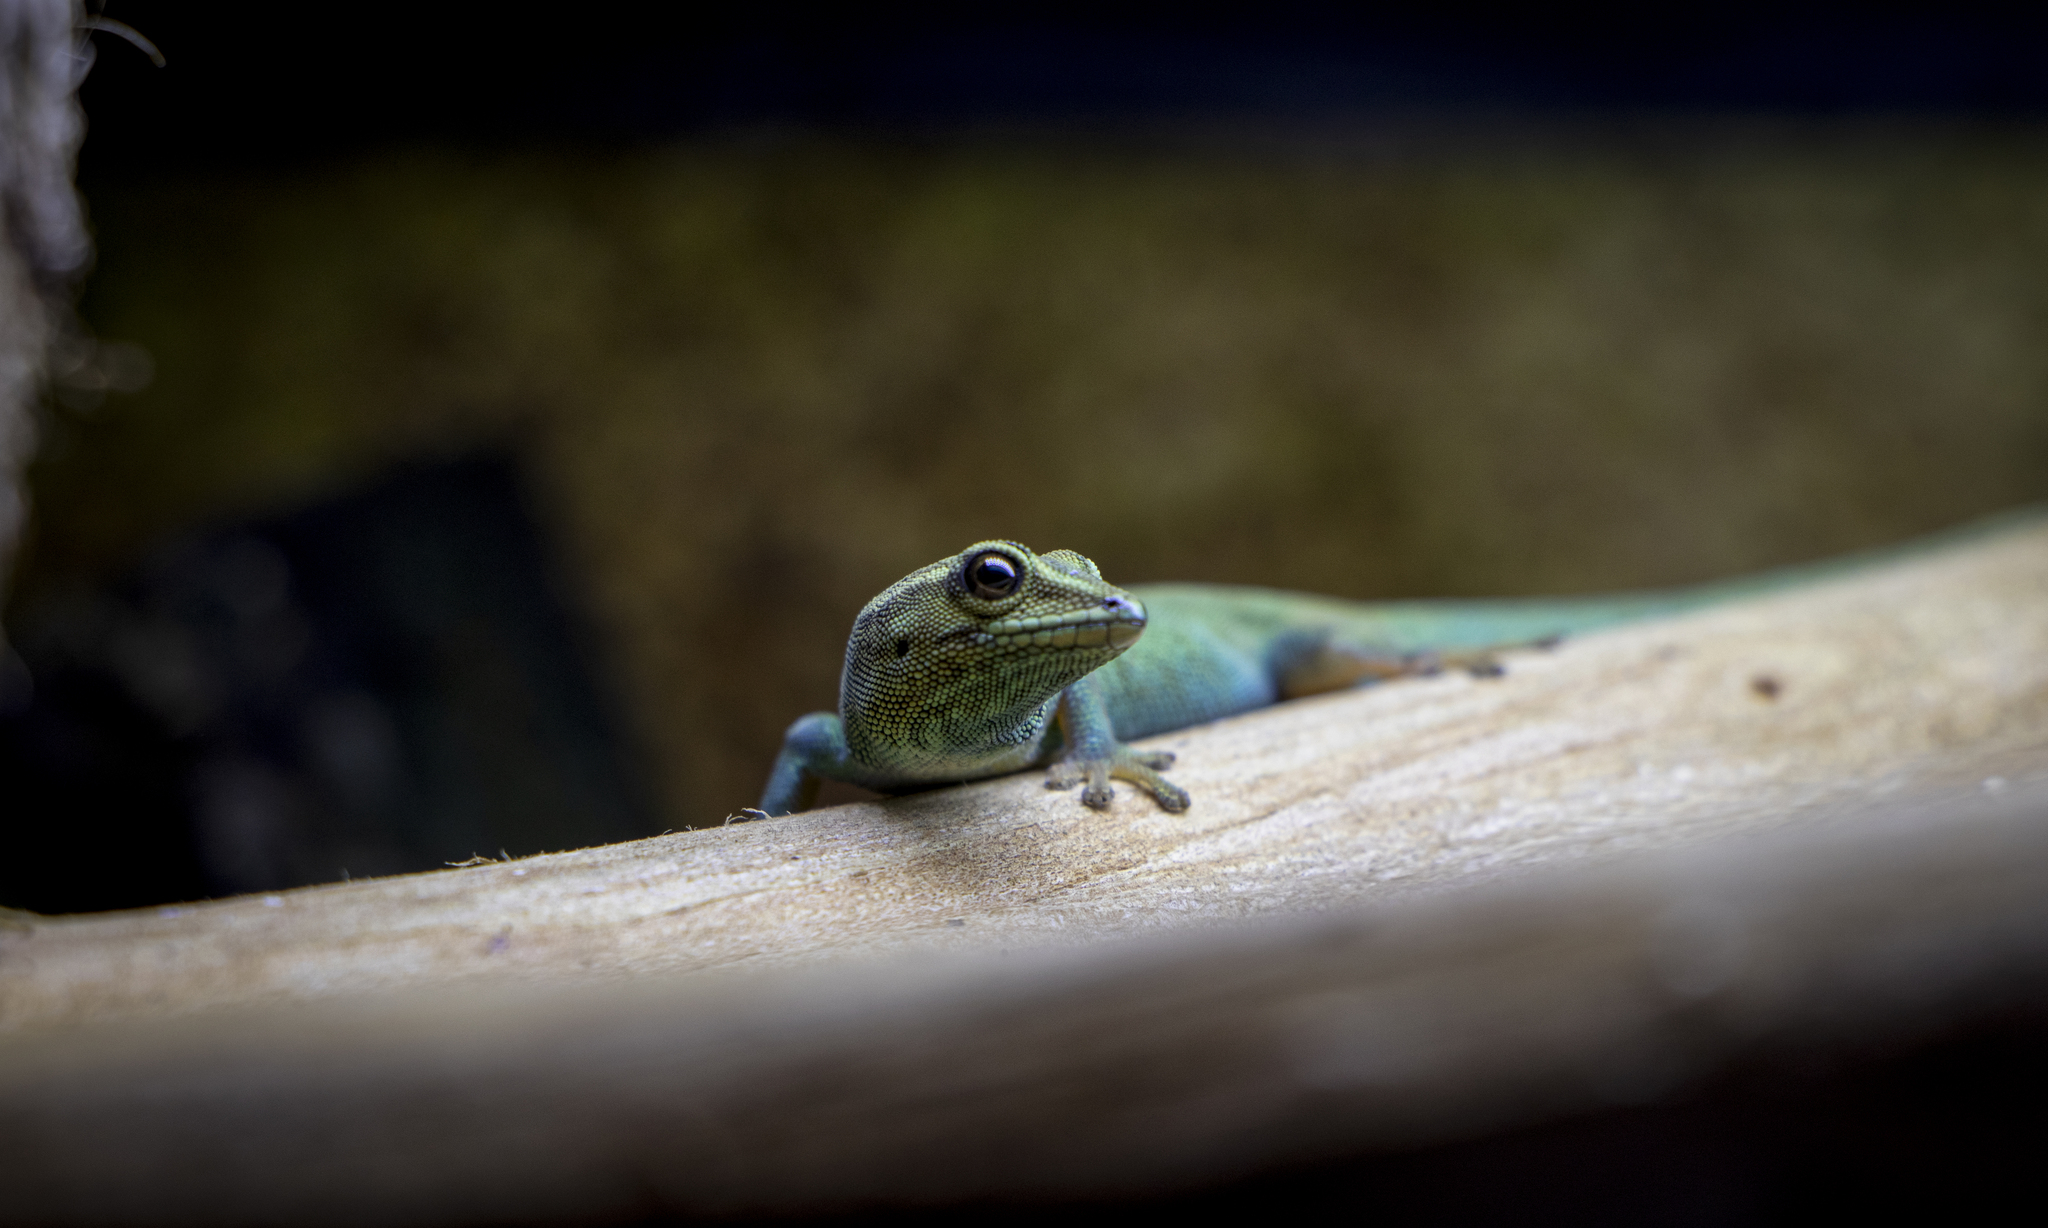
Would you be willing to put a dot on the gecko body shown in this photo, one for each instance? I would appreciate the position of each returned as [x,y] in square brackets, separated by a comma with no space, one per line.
[1000,659]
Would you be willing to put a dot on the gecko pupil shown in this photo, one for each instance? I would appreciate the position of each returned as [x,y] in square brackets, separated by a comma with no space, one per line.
[992,576]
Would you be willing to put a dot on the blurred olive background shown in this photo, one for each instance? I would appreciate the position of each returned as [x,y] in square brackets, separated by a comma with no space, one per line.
[751,386]
[744,375]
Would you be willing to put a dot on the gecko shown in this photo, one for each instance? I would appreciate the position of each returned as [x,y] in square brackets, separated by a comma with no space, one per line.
[1000,659]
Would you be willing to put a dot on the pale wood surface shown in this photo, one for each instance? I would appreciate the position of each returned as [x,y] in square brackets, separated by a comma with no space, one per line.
[1391,916]
[1143,1064]
[1927,669]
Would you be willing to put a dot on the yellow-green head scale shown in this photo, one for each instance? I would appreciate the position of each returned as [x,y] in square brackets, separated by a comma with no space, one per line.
[953,672]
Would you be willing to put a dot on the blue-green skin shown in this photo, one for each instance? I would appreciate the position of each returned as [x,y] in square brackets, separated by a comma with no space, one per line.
[1205,652]
[1214,650]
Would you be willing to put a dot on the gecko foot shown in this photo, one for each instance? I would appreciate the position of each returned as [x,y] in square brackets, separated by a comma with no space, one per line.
[1141,768]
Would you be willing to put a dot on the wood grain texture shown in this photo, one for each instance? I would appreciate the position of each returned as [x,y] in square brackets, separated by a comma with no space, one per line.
[1639,738]
[1391,914]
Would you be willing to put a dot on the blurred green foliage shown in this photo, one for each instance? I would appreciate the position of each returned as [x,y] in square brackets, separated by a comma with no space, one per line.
[753,383]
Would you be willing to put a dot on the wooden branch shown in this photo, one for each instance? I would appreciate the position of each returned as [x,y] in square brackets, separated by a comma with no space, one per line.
[1391,914]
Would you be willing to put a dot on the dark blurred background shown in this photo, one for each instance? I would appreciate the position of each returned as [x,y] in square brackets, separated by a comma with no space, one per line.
[498,420]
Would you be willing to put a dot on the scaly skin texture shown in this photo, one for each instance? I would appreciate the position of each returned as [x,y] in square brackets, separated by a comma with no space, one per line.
[999,659]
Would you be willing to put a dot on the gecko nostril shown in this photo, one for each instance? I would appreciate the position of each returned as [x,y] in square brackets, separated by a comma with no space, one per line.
[1129,607]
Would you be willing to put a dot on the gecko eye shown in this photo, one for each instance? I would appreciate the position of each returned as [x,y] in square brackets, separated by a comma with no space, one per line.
[992,577]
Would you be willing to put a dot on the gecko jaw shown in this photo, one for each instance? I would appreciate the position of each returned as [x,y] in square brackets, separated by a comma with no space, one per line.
[1116,626]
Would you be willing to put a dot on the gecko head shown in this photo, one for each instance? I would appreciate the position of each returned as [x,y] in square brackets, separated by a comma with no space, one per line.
[1029,603]
[971,651]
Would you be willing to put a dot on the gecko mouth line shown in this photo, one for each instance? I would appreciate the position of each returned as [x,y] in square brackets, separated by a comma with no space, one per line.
[1074,629]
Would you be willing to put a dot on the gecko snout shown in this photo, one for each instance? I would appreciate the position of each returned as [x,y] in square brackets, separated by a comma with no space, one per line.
[1126,620]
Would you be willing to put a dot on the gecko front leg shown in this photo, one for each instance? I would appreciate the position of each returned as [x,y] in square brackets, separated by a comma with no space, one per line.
[1093,755]
[813,749]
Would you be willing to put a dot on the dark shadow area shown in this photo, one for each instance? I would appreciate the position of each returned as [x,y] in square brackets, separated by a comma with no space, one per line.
[263,86]
[377,684]
[1947,1127]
